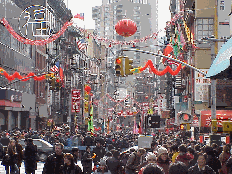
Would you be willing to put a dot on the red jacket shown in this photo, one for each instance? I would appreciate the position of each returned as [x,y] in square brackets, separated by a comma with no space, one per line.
[185,158]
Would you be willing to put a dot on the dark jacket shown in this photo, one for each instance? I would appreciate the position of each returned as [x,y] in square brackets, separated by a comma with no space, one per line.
[30,157]
[73,169]
[4,141]
[88,141]
[54,164]
[213,162]
[100,152]
[19,150]
[114,165]
[195,170]
[229,164]
[164,164]
[133,162]
[87,160]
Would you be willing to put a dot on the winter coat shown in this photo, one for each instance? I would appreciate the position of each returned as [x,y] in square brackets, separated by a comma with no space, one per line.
[114,165]
[100,152]
[164,165]
[229,164]
[54,164]
[87,160]
[73,169]
[19,150]
[195,170]
[133,162]
[223,158]
[30,157]
[213,162]
[184,157]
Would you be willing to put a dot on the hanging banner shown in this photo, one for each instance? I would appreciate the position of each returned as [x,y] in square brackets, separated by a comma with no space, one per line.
[202,86]
[76,95]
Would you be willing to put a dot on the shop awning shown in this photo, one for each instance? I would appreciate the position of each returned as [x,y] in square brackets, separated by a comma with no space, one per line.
[221,66]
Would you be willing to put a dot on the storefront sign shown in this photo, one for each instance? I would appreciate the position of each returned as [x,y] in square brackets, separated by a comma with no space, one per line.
[221,115]
[11,95]
[76,94]
[201,86]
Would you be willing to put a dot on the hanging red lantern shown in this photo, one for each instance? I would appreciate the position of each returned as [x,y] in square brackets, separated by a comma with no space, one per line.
[126,27]
[87,89]
[146,97]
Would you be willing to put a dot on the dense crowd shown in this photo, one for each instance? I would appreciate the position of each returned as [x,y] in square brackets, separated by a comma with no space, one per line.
[114,153]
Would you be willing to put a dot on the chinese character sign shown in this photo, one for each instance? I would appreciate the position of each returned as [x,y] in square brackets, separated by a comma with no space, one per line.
[36,21]
[76,95]
[201,86]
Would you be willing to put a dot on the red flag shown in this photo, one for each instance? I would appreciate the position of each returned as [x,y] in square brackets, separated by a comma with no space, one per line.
[167,51]
[62,76]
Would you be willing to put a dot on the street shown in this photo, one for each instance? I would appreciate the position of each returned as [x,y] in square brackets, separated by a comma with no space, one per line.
[22,169]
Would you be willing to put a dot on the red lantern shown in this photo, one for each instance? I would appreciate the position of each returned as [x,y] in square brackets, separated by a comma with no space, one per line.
[126,27]
[87,89]
[146,97]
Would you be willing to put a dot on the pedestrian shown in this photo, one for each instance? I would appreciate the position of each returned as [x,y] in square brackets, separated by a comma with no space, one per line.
[69,165]
[201,167]
[178,167]
[88,140]
[87,161]
[151,159]
[223,157]
[153,169]
[184,155]
[133,163]
[10,159]
[30,155]
[212,160]
[114,164]
[175,152]
[55,162]
[163,160]
[99,151]
[75,153]
[4,139]
[19,150]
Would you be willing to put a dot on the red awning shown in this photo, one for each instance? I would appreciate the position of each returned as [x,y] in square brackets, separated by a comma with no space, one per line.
[220,115]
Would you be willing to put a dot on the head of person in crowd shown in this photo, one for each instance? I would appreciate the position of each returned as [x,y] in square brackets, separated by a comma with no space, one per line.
[141,152]
[88,148]
[162,154]
[191,151]
[192,144]
[59,148]
[152,169]
[68,159]
[98,143]
[174,148]
[209,150]
[178,167]
[201,160]
[197,148]
[29,141]
[227,148]
[182,149]
[151,158]
[75,151]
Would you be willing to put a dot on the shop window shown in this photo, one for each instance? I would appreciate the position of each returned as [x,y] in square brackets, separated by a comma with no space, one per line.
[204,28]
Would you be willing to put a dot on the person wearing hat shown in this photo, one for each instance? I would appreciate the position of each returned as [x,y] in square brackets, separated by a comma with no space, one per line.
[162,159]
[151,159]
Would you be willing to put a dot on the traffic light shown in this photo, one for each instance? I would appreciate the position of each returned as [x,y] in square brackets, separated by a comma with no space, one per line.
[119,66]
[128,66]
[185,118]
[52,83]
[214,126]
[182,127]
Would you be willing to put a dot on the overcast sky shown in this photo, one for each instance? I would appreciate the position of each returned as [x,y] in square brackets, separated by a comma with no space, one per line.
[85,6]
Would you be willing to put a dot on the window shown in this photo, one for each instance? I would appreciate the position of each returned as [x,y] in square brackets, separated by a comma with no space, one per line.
[204,28]
[222,5]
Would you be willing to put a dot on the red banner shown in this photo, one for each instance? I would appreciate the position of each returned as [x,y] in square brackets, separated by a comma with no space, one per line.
[76,95]
[221,115]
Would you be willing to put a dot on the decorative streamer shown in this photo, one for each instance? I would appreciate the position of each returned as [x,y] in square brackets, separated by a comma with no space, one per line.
[161,73]
[24,78]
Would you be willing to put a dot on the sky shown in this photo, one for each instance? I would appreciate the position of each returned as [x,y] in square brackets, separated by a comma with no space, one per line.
[85,6]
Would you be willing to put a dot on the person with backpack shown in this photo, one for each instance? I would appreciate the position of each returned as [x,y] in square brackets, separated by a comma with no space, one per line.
[133,163]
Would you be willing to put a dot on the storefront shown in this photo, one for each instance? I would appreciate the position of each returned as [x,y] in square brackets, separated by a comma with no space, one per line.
[221,115]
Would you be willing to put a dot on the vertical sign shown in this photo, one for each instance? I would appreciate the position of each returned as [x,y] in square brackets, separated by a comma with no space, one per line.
[201,86]
[76,100]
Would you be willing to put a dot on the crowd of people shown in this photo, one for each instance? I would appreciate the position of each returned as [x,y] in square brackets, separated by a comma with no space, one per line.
[115,153]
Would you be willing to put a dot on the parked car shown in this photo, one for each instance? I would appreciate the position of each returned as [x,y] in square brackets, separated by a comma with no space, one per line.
[44,148]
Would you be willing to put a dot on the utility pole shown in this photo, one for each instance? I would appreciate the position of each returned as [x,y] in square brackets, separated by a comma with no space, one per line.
[212,40]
